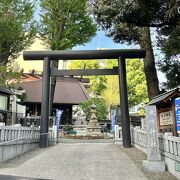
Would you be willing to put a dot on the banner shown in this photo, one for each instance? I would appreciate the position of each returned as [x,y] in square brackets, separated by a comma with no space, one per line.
[58,118]
[177,111]
[113,120]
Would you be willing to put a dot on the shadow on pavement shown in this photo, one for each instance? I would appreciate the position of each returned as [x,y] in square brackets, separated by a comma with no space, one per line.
[6,177]
[15,162]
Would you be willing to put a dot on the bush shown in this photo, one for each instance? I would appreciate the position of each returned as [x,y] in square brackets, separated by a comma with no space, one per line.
[68,128]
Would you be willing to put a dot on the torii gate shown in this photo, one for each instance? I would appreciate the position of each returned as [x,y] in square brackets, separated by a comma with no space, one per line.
[48,56]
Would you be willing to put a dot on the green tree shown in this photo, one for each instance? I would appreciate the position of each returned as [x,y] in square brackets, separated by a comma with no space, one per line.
[63,25]
[111,93]
[97,83]
[137,89]
[9,76]
[23,96]
[169,38]
[108,86]
[101,109]
[17,28]
[130,21]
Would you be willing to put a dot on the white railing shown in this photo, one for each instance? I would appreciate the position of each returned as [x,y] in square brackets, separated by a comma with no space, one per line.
[8,133]
[139,137]
[52,134]
[17,140]
[169,146]
[11,133]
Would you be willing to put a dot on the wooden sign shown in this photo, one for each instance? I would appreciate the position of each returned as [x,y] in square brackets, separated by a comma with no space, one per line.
[166,118]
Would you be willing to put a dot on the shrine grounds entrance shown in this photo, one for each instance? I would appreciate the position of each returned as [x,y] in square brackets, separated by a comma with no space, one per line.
[120,55]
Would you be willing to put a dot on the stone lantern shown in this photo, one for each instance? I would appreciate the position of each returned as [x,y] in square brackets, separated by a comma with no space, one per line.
[93,126]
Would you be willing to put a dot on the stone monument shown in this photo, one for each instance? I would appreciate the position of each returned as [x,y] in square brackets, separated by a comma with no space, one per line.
[80,119]
[93,128]
[154,162]
[80,125]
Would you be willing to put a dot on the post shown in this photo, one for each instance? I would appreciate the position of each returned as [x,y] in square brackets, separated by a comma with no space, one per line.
[153,162]
[124,103]
[45,104]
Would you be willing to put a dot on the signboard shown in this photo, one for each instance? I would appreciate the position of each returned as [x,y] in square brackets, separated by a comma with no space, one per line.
[58,118]
[177,111]
[113,120]
[166,118]
[143,123]
[117,131]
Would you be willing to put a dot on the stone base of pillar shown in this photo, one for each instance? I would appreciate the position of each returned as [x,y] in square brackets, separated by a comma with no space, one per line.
[154,166]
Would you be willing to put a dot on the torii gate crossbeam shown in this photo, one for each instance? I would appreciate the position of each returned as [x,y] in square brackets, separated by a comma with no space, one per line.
[121,55]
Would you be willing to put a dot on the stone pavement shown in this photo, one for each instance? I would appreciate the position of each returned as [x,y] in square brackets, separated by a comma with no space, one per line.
[81,161]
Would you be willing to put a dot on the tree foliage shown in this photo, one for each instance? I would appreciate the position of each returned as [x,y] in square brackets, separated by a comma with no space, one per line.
[101,109]
[65,24]
[108,86]
[23,96]
[17,28]
[170,65]
[97,83]
[137,89]
[141,13]
[111,93]
[171,68]
[130,21]
[9,76]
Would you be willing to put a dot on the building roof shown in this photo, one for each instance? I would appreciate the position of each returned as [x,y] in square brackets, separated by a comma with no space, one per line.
[5,91]
[66,92]
[33,76]
[165,96]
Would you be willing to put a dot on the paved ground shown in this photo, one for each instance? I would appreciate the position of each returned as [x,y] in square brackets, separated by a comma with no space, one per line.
[88,161]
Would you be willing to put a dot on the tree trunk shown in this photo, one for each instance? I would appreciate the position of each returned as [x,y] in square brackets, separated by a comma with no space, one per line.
[52,87]
[149,64]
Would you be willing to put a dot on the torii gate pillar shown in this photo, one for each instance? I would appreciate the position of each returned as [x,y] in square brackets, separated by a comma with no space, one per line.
[45,104]
[124,103]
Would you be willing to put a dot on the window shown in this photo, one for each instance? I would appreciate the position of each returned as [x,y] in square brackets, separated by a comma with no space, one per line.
[3,102]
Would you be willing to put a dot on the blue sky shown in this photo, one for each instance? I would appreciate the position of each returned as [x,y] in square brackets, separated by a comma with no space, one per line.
[101,41]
